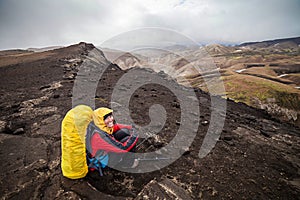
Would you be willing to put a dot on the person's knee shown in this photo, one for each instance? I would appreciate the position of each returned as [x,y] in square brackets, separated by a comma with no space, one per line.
[121,134]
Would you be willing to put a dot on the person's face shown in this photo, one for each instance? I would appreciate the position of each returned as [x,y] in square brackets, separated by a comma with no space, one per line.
[109,121]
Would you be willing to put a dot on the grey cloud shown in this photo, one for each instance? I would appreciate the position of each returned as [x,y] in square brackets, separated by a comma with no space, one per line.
[33,23]
[41,22]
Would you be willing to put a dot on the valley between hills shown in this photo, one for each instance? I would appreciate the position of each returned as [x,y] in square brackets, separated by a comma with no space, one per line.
[264,75]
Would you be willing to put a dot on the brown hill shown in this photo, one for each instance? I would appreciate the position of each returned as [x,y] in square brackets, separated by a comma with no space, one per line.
[256,157]
[124,60]
[217,49]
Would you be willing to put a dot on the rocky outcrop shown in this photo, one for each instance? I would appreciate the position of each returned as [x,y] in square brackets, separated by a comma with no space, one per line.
[165,189]
[277,111]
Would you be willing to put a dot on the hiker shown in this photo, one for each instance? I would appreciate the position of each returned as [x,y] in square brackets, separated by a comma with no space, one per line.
[107,138]
[91,139]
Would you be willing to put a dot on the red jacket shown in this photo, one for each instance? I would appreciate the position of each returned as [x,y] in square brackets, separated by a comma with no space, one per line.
[99,140]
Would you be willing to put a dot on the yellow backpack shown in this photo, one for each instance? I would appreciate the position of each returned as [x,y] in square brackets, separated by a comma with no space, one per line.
[73,132]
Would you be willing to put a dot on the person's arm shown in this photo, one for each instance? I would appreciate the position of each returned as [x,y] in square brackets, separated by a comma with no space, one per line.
[110,144]
[120,126]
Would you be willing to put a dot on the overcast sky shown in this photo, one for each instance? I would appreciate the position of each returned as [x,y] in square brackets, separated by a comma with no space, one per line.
[41,23]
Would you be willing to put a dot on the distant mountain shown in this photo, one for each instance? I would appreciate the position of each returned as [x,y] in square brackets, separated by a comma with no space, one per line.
[214,49]
[44,48]
[124,60]
[14,52]
[287,42]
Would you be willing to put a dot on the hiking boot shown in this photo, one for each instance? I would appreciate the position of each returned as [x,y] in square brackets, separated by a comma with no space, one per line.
[134,165]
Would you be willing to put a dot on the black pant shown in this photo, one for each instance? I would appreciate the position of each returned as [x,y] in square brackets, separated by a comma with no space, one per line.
[122,134]
[122,159]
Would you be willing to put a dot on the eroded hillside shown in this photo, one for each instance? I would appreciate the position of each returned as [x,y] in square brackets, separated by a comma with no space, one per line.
[264,75]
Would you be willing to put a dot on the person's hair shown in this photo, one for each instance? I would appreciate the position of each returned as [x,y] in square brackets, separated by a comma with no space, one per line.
[107,115]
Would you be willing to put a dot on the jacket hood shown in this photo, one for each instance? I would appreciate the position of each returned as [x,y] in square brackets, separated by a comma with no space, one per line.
[98,118]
